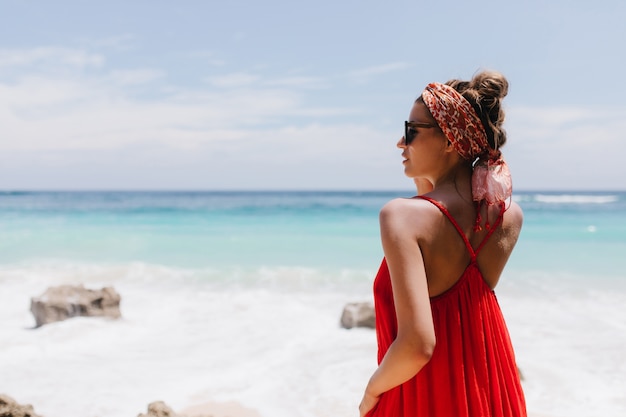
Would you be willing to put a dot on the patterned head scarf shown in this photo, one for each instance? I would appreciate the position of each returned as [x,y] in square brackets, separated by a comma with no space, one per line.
[491,179]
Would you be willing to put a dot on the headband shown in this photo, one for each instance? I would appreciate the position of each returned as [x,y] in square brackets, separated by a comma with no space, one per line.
[491,179]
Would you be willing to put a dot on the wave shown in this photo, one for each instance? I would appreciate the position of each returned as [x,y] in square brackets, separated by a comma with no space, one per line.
[575,199]
[47,272]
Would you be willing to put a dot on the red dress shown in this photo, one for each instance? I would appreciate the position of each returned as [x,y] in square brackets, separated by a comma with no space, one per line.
[472,372]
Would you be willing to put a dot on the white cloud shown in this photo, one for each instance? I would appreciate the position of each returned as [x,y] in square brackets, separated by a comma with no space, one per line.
[567,147]
[80,112]
[241,126]
[244,129]
[33,94]
[93,118]
[49,55]
[573,128]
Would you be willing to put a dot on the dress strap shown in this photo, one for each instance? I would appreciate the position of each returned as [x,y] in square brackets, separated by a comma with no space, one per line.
[492,228]
[445,211]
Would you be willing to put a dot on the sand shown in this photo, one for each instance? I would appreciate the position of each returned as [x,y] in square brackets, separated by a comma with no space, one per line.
[234,409]
[219,409]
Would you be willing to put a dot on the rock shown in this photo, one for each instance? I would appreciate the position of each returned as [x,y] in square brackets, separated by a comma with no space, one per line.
[10,408]
[159,409]
[358,315]
[66,301]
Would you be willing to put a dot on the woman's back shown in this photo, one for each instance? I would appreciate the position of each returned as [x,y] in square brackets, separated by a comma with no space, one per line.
[444,250]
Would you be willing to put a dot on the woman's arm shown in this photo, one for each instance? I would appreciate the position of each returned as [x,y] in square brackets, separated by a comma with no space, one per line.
[415,341]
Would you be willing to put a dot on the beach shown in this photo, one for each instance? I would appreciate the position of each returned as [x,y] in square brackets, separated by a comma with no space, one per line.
[231,302]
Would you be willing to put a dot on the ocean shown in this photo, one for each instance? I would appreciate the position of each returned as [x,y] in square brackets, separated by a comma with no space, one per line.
[237,295]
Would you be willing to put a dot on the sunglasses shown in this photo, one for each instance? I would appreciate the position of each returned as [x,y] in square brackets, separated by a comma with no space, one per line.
[410,132]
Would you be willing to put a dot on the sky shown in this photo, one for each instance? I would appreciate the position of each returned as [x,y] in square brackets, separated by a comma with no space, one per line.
[273,94]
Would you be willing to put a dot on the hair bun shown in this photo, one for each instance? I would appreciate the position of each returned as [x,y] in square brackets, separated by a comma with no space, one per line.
[490,84]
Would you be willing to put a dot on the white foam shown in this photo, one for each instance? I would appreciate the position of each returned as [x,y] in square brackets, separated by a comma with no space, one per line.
[575,199]
[186,340]
[570,347]
[181,341]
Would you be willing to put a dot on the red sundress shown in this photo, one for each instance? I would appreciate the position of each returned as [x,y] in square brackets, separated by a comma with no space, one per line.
[472,372]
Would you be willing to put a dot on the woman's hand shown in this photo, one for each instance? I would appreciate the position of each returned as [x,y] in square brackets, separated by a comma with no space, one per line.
[367,404]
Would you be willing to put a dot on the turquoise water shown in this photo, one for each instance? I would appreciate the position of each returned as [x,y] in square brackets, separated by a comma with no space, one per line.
[568,232]
[581,233]
[193,229]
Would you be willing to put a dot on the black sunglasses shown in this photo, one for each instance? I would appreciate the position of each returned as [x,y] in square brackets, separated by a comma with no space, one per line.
[410,132]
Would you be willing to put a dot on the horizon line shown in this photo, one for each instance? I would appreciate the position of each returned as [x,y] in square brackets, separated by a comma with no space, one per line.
[275,190]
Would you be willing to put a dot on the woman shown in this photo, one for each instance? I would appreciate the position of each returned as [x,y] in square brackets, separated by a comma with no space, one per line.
[444,349]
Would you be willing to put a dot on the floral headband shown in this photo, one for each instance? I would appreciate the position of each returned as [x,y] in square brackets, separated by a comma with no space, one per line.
[491,180]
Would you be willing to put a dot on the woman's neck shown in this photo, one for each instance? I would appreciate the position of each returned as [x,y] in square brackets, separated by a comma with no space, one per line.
[458,173]
[457,180]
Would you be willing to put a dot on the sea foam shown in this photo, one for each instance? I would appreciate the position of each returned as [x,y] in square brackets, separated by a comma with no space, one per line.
[575,199]
[278,348]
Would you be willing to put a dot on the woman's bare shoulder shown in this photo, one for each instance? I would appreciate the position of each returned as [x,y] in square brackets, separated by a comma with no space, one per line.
[407,213]
[410,206]
[511,226]
[513,216]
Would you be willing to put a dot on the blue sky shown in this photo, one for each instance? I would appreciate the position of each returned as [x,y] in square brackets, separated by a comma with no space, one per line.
[295,95]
